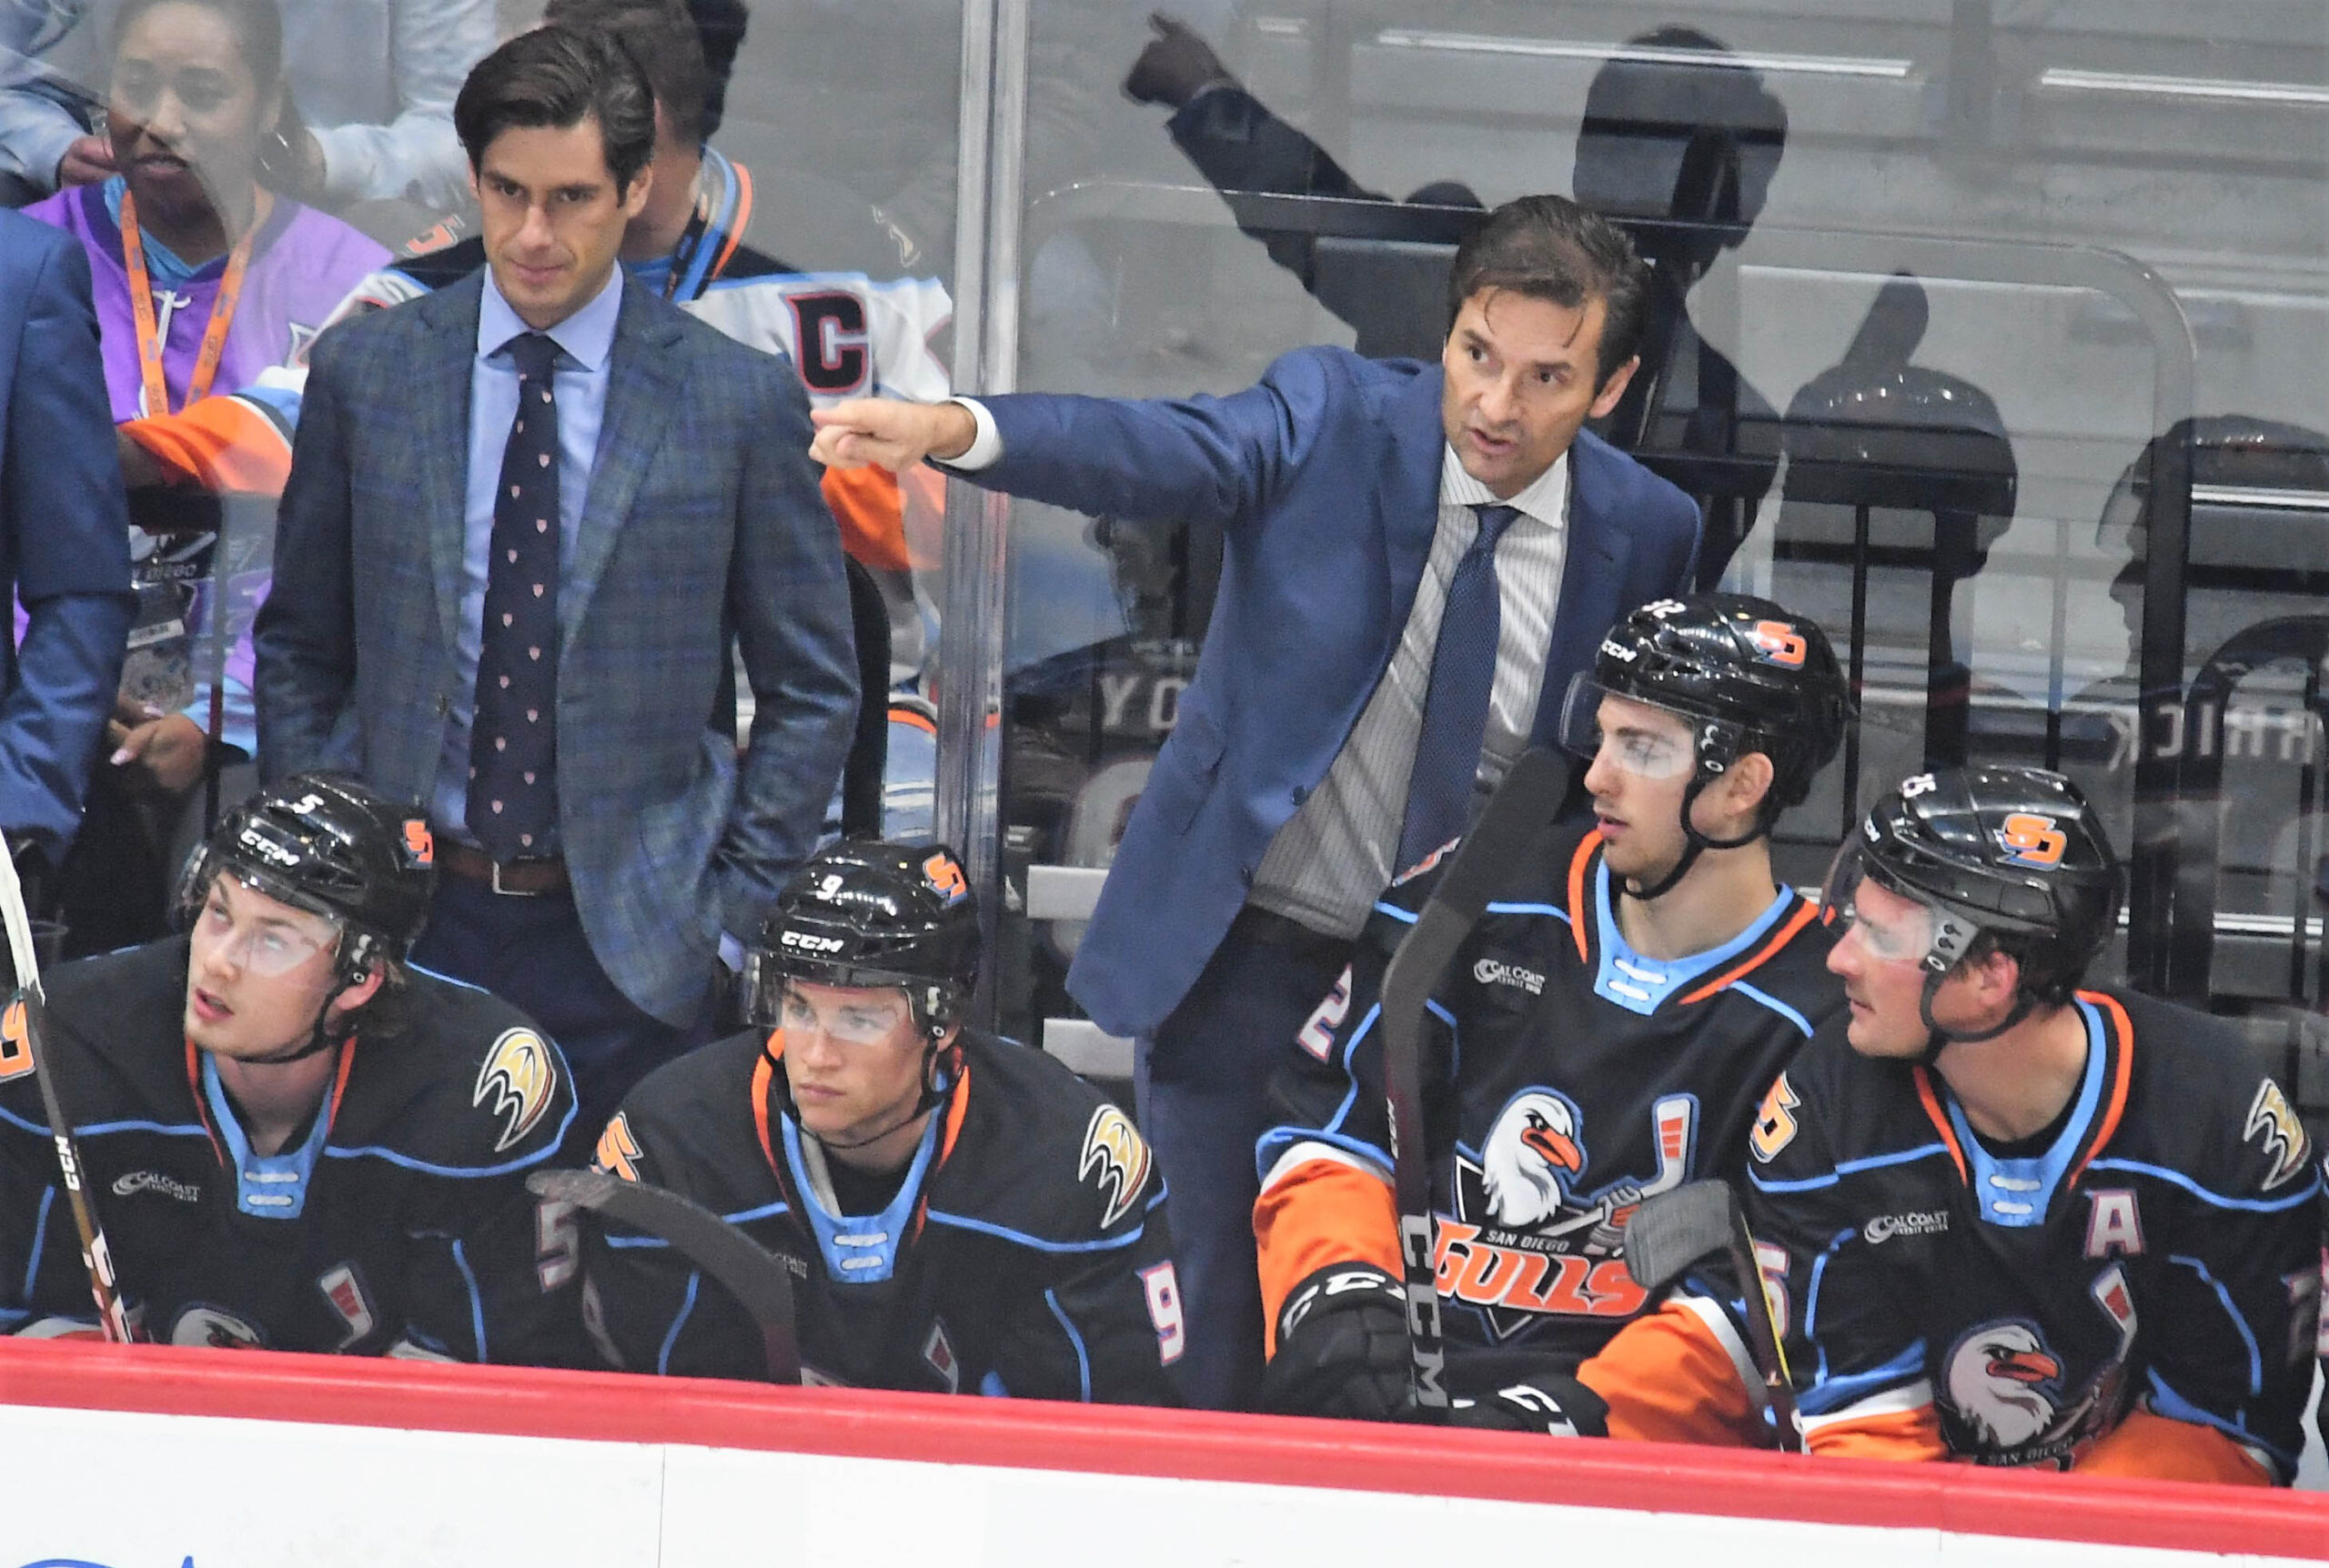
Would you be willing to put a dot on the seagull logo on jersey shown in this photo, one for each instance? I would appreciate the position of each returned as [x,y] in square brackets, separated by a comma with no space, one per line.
[1115,1159]
[2270,1115]
[517,1083]
[1528,1238]
[1533,1143]
[209,1328]
[2004,1383]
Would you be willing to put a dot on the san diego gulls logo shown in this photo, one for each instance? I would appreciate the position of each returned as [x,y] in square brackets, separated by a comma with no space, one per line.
[2271,1114]
[1115,1159]
[517,1083]
[1530,1237]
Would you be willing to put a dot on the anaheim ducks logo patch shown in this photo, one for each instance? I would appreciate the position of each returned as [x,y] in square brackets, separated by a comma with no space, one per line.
[1115,1159]
[2271,1114]
[517,1083]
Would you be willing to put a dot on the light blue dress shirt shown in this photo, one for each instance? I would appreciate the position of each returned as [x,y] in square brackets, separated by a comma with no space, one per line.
[586,341]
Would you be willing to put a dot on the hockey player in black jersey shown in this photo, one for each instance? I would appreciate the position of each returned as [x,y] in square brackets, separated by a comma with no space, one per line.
[2011,1221]
[968,1215]
[1602,1036]
[295,1141]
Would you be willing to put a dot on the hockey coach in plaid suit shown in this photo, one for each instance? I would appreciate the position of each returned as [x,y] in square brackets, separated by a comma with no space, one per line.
[529,518]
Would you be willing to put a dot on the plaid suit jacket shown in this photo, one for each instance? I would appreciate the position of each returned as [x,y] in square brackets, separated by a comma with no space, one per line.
[703,532]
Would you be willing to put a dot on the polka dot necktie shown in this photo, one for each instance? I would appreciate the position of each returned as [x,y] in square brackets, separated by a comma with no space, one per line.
[1455,699]
[513,740]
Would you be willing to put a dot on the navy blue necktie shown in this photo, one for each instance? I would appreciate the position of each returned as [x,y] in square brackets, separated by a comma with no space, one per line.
[513,738]
[1455,702]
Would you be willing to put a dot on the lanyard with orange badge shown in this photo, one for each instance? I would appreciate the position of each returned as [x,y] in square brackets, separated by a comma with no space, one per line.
[156,397]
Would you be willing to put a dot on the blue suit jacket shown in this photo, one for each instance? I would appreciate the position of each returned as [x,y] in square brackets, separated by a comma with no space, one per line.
[63,533]
[1325,477]
[703,532]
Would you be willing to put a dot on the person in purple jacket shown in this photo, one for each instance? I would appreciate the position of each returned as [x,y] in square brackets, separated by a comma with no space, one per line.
[205,281]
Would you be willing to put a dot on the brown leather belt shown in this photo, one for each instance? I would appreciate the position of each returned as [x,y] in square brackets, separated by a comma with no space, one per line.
[533,878]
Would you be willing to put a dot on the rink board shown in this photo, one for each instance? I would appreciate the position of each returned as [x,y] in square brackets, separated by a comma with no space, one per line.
[153,1458]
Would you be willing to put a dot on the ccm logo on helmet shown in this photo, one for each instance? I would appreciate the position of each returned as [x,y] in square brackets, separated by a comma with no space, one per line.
[1779,642]
[803,941]
[2032,840]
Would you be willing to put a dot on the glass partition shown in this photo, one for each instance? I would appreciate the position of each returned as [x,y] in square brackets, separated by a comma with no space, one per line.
[1990,335]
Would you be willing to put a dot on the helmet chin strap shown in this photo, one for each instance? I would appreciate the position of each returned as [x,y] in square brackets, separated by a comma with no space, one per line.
[1695,844]
[1938,1038]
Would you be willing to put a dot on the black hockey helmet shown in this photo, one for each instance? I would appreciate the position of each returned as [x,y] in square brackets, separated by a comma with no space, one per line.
[1745,674]
[865,913]
[2008,858]
[327,844]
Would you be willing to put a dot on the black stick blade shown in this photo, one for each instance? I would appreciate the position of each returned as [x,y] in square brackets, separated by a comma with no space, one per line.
[760,1282]
[1674,1230]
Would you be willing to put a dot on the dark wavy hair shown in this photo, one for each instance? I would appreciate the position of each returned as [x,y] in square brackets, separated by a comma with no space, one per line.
[1548,247]
[555,77]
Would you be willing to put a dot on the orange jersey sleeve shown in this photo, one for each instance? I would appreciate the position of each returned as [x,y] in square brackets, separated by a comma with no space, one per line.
[2154,1448]
[867,505]
[1317,1211]
[1675,1377]
[226,445]
[1899,1434]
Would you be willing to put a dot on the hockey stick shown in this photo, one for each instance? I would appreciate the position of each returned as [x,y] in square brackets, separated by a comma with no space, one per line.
[1527,798]
[760,1282]
[96,1258]
[1675,1229]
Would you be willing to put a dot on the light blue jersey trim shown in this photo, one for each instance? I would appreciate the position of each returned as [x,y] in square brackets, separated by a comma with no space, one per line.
[1082,1359]
[1557,913]
[2177,1179]
[2255,1361]
[476,1302]
[739,1218]
[1625,978]
[266,1186]
[671,1334]
[987,1227]
[1776,1006]
[1848,1168]
[2016,1194]
[40,1235]
[1836,1392]
[524,1161]
[863,1249]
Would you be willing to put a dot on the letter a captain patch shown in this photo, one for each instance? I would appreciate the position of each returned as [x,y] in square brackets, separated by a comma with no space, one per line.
[2113,1228]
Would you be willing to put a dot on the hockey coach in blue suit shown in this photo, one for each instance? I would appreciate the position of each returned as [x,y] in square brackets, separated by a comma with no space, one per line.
[1418,557]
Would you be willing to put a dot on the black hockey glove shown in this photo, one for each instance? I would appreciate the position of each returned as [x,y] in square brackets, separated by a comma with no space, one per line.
[1342,1348]
[1549,1403]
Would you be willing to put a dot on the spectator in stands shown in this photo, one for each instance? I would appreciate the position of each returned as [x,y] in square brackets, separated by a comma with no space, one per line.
[368,111]
[64,531]
[1415,555]
[203,278]
[521,606]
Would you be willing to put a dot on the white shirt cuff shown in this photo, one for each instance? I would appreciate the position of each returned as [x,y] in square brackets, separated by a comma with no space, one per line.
[986,446]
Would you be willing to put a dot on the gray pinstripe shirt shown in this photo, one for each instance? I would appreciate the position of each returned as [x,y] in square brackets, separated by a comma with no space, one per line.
[1327,866]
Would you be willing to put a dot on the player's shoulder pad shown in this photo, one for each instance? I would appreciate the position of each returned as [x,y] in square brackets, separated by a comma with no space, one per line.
[1829,1107]
[463,1083]
[114,1035]
[1534,876]
[1795,972]
[688,1126]
[2207,1102]
[1044,1158]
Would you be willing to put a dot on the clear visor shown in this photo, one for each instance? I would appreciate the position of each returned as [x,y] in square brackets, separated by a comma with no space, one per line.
[1639,738]
[1889,926]
[260,941]
[771,1001]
